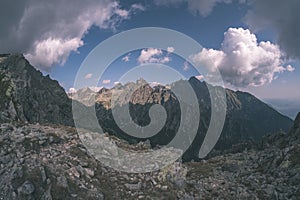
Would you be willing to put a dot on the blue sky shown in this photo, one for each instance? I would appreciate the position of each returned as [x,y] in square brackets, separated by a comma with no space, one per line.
[57,37]
[208,31]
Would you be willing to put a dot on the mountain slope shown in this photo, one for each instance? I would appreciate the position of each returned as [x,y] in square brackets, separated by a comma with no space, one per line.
[248,118]
[30,96]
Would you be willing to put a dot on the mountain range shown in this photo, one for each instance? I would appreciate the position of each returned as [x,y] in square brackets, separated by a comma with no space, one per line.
[43,157]
[28,96]
[247,118]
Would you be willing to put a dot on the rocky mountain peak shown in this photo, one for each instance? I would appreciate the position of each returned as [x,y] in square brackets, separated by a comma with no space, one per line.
[29,96]
[141,81]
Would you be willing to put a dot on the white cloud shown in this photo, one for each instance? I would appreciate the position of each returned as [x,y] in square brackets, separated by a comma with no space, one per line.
[72,90]
[170,49]
[148,54]
[122,13]
[88,76]
[52,50]
[117,82]
[209,58]
[106,81]
[200,77]
[290,68]
[280,16]
[126,58]
[48,32]
[242,60]
[138,7]
[152,55]
[164,60]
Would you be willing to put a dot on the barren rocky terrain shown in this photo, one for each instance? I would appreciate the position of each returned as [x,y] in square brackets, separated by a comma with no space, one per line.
[50,162]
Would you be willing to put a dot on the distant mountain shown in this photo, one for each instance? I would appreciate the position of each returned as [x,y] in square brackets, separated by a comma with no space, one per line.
[248,118]
[28,96]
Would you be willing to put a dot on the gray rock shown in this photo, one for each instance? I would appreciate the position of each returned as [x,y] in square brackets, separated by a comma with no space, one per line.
[62,181]
[43,174]
[5,159]
[136,186]
[26,188]
[47,195]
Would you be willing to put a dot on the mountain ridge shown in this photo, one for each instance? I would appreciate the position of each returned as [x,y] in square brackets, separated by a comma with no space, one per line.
[248,118]
[34,98]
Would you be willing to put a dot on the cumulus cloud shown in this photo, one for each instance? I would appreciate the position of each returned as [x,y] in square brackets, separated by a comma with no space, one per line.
[147,55]
[281,16]
[152,55]
[242,60]
[52,50]
[126,58]
[202,7]
[106,81]
[47,32]
[170,49]
[88,76]
[278,15]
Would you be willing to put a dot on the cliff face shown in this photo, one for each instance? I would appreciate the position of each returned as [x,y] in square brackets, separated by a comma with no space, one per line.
[28,96]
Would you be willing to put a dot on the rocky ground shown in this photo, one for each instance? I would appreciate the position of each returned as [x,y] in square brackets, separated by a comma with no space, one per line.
[50,162]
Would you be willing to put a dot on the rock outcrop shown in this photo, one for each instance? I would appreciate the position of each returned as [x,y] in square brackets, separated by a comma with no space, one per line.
[28,96]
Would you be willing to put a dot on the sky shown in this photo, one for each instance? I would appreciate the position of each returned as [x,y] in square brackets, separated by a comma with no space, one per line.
[255,44]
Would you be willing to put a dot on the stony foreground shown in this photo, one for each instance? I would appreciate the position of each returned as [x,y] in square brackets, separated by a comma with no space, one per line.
[49,162]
